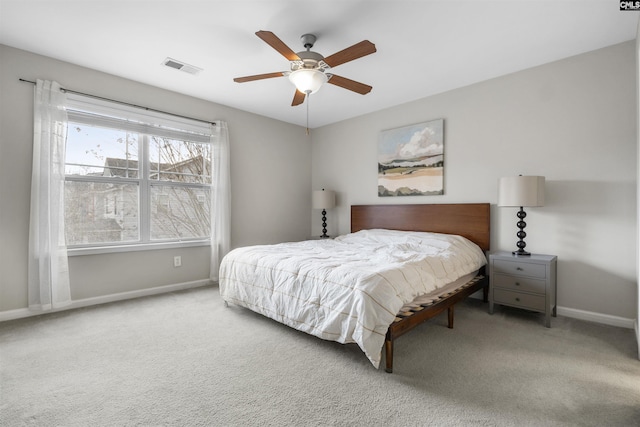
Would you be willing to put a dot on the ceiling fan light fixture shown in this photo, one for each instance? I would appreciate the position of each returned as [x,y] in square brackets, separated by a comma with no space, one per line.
[308,80]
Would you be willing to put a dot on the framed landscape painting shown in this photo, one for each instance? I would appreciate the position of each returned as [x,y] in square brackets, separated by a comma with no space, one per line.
[411,160]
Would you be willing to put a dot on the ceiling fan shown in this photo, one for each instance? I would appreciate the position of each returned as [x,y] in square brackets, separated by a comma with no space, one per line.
[310,70]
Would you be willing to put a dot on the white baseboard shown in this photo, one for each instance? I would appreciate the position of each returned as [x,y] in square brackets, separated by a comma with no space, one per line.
[591,316]
[605,319]
[25,312]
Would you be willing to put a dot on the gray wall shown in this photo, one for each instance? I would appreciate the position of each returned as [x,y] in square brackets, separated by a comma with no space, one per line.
[268,206]
[572,121]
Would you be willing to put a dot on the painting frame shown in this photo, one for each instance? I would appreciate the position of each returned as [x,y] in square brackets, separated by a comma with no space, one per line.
[411,160]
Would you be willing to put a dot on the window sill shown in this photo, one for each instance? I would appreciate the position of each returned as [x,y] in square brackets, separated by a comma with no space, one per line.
[95,250]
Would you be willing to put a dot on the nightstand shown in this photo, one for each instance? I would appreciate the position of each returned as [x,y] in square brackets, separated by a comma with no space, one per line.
[527,282]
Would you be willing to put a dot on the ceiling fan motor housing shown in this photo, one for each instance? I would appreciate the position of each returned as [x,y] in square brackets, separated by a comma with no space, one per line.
[308,59]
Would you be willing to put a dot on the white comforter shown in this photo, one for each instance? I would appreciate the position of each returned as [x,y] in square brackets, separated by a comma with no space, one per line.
[348,289]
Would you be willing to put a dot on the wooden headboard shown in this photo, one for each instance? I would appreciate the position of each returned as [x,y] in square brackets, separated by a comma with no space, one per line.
[470,220]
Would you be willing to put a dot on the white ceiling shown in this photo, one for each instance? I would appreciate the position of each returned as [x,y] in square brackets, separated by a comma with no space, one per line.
[423,47]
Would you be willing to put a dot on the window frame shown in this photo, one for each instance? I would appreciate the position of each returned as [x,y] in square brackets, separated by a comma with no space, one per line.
[104,113]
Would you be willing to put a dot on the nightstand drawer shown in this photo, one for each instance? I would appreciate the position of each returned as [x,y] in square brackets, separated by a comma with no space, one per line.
[532,302]
[519,268]
[519,283]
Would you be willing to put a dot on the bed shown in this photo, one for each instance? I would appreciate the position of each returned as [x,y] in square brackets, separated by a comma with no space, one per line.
[372,285]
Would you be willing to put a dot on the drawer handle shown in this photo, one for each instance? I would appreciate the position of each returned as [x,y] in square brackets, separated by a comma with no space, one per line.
[519,268]
[518,299]
[517,283]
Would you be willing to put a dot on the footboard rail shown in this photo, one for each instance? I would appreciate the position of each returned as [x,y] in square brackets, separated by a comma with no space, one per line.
[407,320]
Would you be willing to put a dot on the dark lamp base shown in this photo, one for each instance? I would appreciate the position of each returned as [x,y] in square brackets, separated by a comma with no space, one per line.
[324,224]
[520,252]
[521,234]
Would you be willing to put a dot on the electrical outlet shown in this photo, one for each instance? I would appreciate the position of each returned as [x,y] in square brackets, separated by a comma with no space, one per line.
[177,261]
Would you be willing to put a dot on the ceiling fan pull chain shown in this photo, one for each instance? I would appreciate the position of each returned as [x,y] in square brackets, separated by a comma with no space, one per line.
[308,98]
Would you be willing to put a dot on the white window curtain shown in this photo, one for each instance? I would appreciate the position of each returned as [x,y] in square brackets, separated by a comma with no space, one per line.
[220,197]
[48,268]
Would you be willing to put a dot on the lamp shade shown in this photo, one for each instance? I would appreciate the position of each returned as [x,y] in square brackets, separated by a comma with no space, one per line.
[324,199]
[521,191]
[308,80]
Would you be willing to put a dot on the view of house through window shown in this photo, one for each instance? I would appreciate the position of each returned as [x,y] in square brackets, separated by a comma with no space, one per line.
[128,184]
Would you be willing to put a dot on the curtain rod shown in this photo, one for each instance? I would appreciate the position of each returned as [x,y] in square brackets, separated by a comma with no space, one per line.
[125,103]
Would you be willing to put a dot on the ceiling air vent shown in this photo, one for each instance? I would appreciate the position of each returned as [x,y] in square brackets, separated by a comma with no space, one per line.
[178,65]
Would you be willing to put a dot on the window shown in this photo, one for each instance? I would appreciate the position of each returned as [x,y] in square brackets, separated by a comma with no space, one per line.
[134,176]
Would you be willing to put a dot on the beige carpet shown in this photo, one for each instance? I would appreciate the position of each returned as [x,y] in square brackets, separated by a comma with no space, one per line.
[184,359]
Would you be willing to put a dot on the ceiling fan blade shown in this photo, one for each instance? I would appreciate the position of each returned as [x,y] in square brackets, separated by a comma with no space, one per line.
[258,77]
[298,98]
[356,51]
[352,85]
[272,40]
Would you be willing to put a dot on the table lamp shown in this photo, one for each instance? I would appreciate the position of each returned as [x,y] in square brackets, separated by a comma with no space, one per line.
[324,200]
[521,191]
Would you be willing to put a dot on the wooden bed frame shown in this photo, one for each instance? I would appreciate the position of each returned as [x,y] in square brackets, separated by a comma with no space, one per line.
[470,220]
